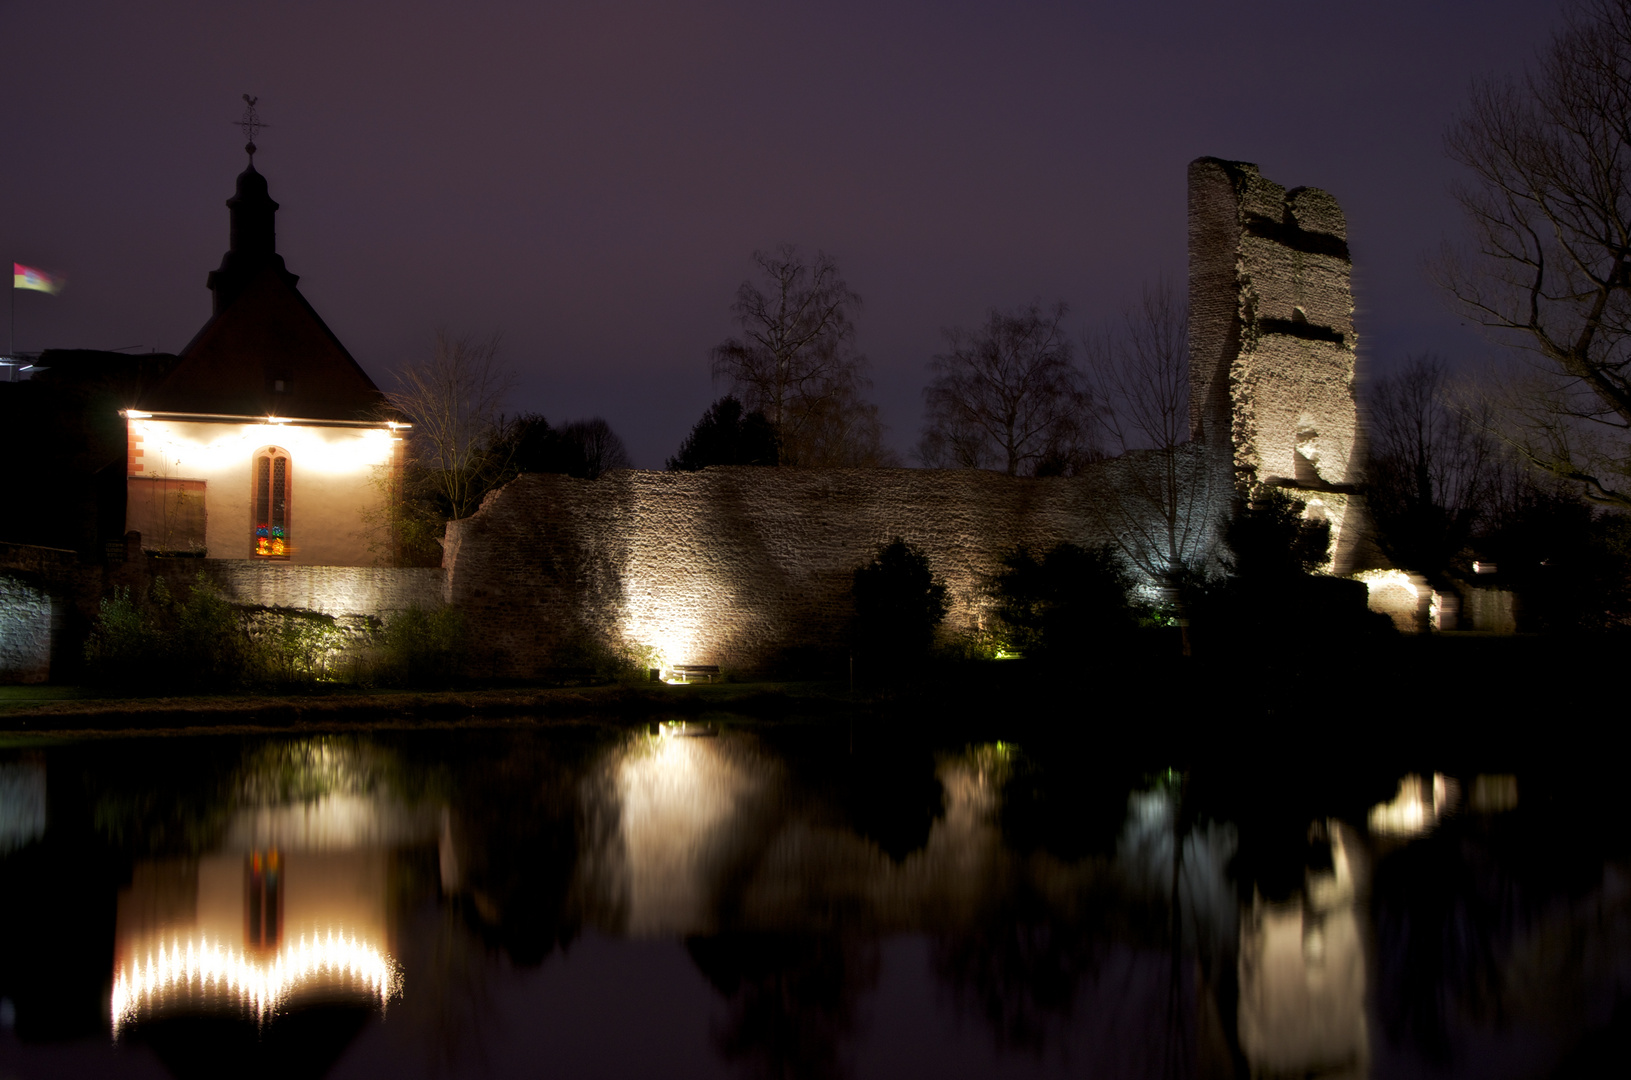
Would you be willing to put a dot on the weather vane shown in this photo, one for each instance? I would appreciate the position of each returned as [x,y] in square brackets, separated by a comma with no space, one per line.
[251,124]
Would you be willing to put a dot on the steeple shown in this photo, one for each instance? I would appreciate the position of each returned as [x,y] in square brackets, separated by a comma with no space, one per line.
[252,242]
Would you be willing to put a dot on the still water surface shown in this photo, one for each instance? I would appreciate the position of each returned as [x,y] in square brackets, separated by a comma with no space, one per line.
[782,901]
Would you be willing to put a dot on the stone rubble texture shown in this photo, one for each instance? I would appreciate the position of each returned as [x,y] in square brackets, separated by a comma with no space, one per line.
[28,618]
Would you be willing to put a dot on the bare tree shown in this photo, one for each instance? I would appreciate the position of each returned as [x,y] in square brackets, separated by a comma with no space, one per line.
[1009,396]
[1161,494]
[796,363]
[1434,472]
[596,446]
[1550,207]
[454,399]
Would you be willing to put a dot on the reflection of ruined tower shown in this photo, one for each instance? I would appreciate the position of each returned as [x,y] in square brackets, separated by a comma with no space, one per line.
[1272,342]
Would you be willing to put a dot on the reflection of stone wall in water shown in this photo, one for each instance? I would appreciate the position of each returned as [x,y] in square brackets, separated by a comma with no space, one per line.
[1302,975]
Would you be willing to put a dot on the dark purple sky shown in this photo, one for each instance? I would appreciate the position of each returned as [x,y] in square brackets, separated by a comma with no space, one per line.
[590,179]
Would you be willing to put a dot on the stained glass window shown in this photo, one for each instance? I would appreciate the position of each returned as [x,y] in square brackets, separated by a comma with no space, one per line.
[271,505]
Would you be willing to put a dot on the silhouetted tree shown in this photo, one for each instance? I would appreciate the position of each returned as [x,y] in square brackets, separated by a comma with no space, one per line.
[1550,209]
[1434,470]
[727,436]
[1269,538]
[582,448]
[1008,396]
[594,447]
[796,362]
[792,998]
[1273,598]
[455,399]
[1070,602]
[1159,504]
[898,604]
[1569,562]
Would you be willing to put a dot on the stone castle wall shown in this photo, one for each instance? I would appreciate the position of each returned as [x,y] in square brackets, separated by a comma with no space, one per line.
[328,590]
[739,567]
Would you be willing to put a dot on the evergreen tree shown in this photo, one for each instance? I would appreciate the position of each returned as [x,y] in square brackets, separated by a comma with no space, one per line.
[727,436]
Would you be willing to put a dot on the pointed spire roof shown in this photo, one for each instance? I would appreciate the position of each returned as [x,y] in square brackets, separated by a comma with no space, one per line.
[265,351]
[252,240]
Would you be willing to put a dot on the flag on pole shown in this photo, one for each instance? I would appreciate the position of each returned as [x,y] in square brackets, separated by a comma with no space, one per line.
[27,277]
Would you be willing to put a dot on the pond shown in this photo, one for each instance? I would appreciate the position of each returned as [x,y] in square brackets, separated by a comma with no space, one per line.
[798,900]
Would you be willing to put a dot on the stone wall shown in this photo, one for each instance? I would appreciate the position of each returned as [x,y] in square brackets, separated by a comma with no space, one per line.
[46,597]
[329,590]
[29,620]
[740,566]
[49,600]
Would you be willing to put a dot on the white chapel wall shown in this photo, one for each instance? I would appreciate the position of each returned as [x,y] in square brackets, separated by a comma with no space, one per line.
[334,471]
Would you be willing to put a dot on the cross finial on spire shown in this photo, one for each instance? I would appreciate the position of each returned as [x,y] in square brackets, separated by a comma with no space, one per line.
[251,124]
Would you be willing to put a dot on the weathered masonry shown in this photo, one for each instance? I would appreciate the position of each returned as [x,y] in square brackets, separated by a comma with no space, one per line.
[741,566]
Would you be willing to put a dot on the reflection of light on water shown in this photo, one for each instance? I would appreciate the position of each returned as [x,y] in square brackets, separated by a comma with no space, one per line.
[331,823]
[259,984]
[1416,808]
[1493,794]
[22,804]
[1302,975]
[682,802]
[973,782]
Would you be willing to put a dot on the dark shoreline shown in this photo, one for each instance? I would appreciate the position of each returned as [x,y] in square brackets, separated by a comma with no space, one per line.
[221,714]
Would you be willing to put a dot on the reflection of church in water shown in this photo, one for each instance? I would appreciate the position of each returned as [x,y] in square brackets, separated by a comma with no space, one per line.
[251,933]
[283,929]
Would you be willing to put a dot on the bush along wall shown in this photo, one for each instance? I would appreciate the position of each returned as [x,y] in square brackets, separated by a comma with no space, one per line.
[192,639]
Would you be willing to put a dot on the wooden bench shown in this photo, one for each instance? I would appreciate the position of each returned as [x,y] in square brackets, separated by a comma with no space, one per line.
[687,672]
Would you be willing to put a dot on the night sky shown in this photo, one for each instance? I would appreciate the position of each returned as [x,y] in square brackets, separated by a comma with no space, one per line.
[590,179]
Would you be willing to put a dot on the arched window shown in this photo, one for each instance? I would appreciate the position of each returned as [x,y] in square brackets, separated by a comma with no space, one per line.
[269,503]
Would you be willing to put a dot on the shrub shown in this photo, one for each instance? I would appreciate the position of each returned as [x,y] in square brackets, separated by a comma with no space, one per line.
[1269,538]
[296,647]
[164,644]
[424,646]
[1070,603]
[898,604]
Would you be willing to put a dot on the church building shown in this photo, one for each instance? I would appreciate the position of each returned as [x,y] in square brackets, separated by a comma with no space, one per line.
[267,440]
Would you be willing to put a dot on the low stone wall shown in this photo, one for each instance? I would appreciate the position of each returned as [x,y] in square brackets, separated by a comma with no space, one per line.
[330,590]
[742,566]
[29,621]
[46,598]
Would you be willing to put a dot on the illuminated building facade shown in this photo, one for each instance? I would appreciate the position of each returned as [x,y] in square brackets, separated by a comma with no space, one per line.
[266,440]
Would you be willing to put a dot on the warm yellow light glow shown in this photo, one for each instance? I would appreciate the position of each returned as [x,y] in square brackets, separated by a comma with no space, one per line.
[261,984]
[1493,794]
[1380,580]
[1416,808]
[136,414]
[192,448]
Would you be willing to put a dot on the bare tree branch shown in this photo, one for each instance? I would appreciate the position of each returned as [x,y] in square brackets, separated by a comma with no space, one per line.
[1549,202]
[796,363]
[1009,396]
[455,399]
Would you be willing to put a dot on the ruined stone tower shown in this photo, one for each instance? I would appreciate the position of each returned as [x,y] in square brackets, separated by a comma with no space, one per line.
[1271,324]
[1272,343]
